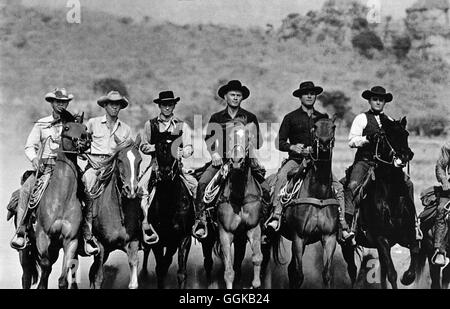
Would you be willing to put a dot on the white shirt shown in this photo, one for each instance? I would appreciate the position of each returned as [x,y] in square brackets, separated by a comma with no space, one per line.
[41,133]
[355,137]
[103,140]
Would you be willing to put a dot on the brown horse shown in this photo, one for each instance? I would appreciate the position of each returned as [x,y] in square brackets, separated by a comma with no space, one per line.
[314,215]
[239,211]
[58,215]
[117,214]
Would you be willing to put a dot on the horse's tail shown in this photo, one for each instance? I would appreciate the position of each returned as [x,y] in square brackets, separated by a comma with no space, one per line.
[420,265]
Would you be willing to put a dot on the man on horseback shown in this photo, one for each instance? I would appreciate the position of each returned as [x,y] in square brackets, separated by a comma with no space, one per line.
[364,133]
[166,126]
[107,131]
[442,167]
[41,149]
[233,93]
[295,138]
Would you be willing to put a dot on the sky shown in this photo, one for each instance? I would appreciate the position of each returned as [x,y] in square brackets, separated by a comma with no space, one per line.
[243,13]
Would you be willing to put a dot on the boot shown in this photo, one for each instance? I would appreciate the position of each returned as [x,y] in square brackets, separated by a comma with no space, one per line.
[347,234]
[90,243]
[19,241]
[150,237]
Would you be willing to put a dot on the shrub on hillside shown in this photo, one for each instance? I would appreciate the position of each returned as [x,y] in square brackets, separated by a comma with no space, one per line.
[339,102]
[401,46]
[105,85]
[365,41]
[428,125]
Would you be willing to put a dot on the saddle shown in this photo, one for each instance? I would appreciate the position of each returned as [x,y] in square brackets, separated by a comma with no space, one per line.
[430,198]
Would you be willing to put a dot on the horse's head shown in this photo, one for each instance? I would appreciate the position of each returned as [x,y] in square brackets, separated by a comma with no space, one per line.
[392,147]
[323,139]
[240,137]
[128,161]
[74,135]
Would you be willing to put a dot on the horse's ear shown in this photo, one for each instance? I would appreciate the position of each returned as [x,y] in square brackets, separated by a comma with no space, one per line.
[333,118]
[66,116]
[81,117]
[403,122]
[137,142]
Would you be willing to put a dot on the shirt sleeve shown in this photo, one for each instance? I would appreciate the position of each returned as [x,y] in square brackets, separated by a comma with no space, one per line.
[33,142]
[442,164]
[355,137]
[281,142]
[146,134]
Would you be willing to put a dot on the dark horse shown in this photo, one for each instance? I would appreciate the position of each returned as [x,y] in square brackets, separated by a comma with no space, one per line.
[58,215]
[171,213]
[239,211]
[313,216]
[117,213]
[385,216]
[427,250]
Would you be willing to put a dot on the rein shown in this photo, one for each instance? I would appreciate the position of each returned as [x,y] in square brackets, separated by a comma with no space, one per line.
[393,152]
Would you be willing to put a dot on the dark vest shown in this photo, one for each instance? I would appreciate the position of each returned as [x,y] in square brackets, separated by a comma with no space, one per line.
[158,137]
[368,150]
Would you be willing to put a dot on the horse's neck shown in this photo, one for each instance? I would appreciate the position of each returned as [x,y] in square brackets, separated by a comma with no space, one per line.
[67,160]
[320,180]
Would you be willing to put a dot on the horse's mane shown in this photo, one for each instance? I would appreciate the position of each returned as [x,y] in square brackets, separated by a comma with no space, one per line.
[127,143]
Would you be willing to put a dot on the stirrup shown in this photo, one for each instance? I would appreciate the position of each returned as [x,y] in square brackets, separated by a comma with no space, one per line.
[147,238]
[25,243]
[96,249]
[194,229]
[446,259]
[273,217]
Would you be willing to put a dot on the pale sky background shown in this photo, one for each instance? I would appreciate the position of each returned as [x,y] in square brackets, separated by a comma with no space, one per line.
[242,13]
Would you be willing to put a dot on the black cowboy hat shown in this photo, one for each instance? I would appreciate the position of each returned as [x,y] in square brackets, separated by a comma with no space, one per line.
[377,91]
[113,96]
[233,85]
[306,87]
[58,94]
[166,97]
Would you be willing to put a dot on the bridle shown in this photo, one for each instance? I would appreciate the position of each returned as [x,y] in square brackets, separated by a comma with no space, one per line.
[391,152]
[319,147]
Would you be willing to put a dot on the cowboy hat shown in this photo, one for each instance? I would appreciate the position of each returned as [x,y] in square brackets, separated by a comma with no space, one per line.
[306,87]
[377,91]
[59,94]
[166,97]
[113,96]
[233,85]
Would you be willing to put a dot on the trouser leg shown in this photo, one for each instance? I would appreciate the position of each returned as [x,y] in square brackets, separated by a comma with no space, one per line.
[441,227]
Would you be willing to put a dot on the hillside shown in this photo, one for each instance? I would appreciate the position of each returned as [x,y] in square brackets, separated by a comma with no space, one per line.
[40,50]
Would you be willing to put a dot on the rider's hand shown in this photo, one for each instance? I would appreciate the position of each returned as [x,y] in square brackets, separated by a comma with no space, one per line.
[35,163]
[147,148]
[216,159]
[297,148]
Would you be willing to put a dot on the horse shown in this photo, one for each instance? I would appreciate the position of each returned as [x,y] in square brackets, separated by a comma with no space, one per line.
[385,217]
[58,215]
[427,225]
[117,214]
[239,211]
[171,213]
[313,215]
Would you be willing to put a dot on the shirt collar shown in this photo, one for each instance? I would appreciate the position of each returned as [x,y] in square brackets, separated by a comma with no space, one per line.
[103,120]
[171,119]
[315,112]
[239,112]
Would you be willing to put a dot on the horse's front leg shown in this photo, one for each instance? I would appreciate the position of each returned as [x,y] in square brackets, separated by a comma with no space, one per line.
[226,239]
[96,271]
[254,236]
[133,262]
[70,247]
[295,268]
[183,253]
[329,246]
[45,263]
[387,267]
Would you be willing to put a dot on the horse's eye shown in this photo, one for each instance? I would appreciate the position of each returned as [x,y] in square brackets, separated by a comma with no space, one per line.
[66,128]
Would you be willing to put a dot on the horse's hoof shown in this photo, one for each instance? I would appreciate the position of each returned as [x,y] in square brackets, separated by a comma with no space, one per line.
[408,278]
[132,286]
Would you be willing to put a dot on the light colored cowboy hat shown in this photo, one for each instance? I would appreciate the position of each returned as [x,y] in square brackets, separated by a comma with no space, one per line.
[377,91]
[166,97]
[234,85]
[113,96]
[59,94]
[306,87]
